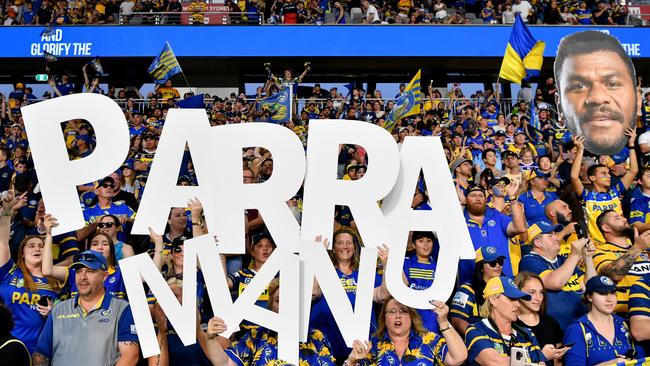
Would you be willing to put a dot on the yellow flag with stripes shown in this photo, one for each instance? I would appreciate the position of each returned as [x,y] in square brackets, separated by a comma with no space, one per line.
[407,104]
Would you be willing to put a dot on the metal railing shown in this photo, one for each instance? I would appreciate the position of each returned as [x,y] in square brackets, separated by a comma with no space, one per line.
[191,17]
[454,107]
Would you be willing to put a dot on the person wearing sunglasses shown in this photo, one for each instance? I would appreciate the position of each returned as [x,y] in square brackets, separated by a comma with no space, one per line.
[93,327]
[562,277]
[600,336]
[110,225]
[105,192]
[532,314]
[103,244]
[490,340]
[469,297]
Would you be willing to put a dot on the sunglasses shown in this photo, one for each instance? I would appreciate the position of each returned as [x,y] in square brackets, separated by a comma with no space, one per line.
[178,249]
[108,185]
[498,261]
[102,225]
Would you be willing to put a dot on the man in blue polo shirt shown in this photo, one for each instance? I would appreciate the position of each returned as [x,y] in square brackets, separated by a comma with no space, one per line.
[562,278]
[487,226]
[92,328]
[536,197]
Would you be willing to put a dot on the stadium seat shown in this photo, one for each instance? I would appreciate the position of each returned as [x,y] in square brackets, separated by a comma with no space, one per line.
[330,18]
[356,18]
[470,15]
[354,11]
[477,21]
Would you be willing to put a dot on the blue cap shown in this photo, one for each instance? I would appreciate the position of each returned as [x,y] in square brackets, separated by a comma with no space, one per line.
[89,140]
[601,284]
[536,173]
[542,227]
[504,285]
[129,163]
[91,259]
[621,156]
[488,253]
[520,131]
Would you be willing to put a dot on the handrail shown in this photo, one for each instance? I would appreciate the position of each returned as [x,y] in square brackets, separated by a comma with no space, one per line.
[190,17]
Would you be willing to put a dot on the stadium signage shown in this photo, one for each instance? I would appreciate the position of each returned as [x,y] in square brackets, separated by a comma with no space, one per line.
[52,42]
[391,177]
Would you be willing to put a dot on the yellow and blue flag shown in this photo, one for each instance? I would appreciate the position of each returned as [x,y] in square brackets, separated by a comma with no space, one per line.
[165,65]
[407,103]
[524,54]
[278,105]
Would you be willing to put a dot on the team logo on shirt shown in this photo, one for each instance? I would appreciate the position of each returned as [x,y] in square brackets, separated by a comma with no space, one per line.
[491,223]
[491,250]
[105,313]
[112,280]
[460,299]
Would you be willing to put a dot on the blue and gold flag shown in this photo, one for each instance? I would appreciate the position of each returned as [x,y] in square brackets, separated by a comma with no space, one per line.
[278,105]
[524,54]
[165,65]
[407,103]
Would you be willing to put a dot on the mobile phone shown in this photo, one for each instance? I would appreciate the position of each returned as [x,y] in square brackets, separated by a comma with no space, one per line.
[567,345]
[44,300]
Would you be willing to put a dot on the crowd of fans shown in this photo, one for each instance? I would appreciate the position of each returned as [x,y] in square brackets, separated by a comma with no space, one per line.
[561,238]
[62,12]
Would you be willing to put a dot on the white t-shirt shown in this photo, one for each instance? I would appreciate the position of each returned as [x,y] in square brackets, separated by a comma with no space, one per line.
[372,13]
[523,8]
[645,138]
[126,7]
[508,17]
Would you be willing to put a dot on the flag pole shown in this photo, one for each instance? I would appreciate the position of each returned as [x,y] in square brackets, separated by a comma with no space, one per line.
[291,101]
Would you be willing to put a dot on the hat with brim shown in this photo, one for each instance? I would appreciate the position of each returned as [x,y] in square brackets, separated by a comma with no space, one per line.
[488,253]
[90,259]
[536,173]
[542,227]
[494,181]
[506,286]
[457,163]
[474,188]
[600,284]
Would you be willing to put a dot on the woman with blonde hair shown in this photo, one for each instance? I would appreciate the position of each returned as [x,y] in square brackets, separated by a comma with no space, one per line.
[490,340]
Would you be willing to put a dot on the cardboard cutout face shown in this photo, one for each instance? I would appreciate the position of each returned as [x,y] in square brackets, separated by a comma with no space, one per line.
[596,90]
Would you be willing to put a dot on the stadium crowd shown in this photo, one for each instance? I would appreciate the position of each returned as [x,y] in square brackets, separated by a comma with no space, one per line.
[56,13]
[562,272]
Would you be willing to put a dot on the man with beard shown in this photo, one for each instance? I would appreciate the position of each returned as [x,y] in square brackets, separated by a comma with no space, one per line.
[620,259]
[266,170]
[488,226]
[559,212]
[603,195]
[596,90]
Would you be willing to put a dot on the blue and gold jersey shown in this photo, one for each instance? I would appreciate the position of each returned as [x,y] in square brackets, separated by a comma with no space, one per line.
[114,284]
[240,281]
[321,316]
[481,336]
[606,254]
[427,349]
[563,305]
[639,299]
[592,348]
[596,202]
[259,347]
[640,209]
[118,209]
[463,305]
[22,303]
[420,277]
[583,15]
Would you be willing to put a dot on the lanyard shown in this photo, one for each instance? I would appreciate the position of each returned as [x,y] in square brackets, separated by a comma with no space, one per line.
[505,344]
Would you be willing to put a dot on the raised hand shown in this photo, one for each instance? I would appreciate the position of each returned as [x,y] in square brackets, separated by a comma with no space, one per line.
[216,326]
